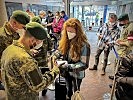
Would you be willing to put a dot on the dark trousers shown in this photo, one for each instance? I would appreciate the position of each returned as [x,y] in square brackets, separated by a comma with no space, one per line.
[49,28]
[98,53]
[72,85]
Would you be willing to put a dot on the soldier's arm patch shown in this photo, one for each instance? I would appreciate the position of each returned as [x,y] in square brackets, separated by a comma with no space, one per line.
[35,77]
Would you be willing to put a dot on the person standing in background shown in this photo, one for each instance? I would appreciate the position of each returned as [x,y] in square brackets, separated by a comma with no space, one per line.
[57,23]
[101,22]
[11,30]
[57,26]
[97,19]
[108,34]
[49,21]
[63,15]
[42,15]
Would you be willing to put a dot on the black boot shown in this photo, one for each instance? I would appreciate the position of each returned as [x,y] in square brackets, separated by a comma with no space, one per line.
[93,68]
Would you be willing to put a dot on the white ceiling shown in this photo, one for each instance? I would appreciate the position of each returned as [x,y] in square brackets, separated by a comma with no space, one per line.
[100,2]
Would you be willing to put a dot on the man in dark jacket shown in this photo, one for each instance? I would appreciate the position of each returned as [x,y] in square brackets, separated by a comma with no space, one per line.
[63,14]
[49,21]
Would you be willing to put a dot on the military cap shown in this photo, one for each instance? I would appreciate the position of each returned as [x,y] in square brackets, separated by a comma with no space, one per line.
[123,17]
[21,17]
[36,19]
[36,30]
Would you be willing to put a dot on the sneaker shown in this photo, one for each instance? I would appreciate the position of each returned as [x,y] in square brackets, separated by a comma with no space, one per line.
[93,68]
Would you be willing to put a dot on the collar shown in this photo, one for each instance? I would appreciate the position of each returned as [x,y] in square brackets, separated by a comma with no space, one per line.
[8,29]
[64,16]
[126,25]
[17,43]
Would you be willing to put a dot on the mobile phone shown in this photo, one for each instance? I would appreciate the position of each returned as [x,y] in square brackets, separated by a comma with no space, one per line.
[62,61]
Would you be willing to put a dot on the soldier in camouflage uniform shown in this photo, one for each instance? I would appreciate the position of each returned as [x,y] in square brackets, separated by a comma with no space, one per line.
[47,45]
[20,73]
[125,45]
[8,32]
[41,56]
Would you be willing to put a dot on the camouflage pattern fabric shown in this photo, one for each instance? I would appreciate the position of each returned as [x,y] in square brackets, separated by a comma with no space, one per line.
[42,57]
[21,77]
[122,49]
[7,35]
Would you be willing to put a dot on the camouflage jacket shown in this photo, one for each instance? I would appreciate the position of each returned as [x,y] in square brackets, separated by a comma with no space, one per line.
[7,35]
[122,49]
[21,77]
[42,57]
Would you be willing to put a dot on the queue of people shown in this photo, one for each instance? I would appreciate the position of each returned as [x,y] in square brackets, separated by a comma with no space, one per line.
[24,44]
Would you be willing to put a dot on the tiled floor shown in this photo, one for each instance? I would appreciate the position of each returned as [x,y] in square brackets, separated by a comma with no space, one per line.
[94,86]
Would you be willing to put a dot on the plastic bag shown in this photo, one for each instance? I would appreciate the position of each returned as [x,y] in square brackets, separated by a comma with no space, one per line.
[77,96]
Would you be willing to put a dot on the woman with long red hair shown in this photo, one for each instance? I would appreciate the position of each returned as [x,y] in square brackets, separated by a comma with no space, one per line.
[75,49]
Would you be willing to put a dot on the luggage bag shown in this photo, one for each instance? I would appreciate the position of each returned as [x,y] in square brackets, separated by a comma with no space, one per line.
[60,88]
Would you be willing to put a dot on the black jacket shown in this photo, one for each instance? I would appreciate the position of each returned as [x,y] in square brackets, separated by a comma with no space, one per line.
[124,88]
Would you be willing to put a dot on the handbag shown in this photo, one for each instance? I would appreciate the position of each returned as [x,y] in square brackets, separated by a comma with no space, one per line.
[77,95]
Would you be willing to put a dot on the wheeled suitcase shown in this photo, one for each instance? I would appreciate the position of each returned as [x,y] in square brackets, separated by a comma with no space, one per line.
[60,88]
